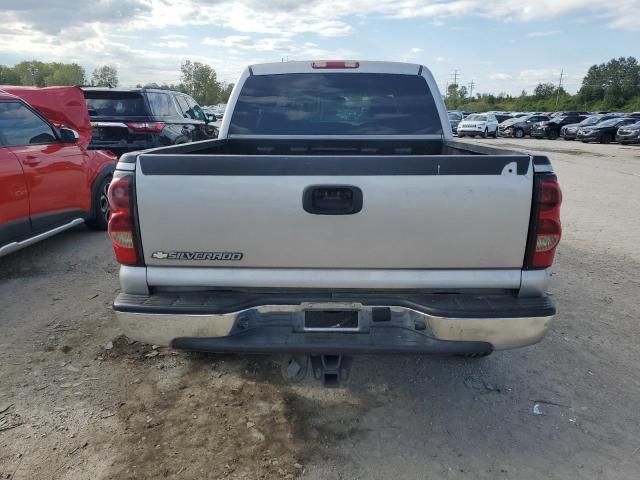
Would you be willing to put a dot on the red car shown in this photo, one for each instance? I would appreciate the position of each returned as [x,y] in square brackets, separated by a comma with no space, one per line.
[49,181]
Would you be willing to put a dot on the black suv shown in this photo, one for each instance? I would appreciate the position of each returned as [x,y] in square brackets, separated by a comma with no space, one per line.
[551,129]
[127,119]
[519,127]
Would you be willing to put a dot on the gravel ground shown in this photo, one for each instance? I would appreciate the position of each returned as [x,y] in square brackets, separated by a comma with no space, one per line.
[79,401]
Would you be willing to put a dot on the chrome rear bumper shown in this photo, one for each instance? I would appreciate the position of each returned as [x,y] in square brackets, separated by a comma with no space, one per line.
[413,325]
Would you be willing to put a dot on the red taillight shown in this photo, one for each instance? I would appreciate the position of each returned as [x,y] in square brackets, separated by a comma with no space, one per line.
[546,230]
[154,127]
[335,64]
[121,226]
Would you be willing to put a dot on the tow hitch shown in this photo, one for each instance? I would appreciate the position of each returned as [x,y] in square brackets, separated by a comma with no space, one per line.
[330,369]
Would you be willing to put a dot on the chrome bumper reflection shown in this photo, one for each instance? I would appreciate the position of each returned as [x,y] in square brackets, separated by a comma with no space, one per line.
[502,333]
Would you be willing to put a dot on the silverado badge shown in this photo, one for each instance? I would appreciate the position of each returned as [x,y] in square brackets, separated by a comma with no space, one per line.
[216,256]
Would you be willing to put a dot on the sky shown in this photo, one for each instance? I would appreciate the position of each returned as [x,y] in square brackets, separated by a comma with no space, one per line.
[499,45]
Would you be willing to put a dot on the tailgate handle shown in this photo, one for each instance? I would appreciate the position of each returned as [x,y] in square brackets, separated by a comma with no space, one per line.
[332,199]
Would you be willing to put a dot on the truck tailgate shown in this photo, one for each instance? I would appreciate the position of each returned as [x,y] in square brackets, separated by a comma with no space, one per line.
[417,212]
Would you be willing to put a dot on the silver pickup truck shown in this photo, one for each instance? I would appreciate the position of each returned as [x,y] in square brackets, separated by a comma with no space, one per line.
[335,215]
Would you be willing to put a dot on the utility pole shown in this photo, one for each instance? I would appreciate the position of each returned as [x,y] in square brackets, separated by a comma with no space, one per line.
[559,87]
[471,88]
[34,75]
[455,77]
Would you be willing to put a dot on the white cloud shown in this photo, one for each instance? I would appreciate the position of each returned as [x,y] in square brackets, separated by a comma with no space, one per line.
[171,44]
[547,33]
[248,31]
[500,76]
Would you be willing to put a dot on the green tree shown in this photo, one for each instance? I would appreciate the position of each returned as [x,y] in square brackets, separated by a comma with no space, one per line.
[544,91]
[8,76]
[200,81]
[65,74]
[611,84]
[226,92]
[43,74]
[105,76]
[32,72]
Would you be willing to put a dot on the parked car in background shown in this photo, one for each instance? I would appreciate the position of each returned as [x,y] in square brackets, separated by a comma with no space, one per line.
[503,117]
[551,129]
[478,124]
[219,110]
[570,132]
[454,119]
[629,133]
[603,132]
[520,127]
[127,119]
[49,181]
[210,114]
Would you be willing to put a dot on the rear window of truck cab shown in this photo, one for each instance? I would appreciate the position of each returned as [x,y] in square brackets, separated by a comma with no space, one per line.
[335,104]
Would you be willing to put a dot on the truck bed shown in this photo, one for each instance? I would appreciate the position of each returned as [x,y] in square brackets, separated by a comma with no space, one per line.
[292,146]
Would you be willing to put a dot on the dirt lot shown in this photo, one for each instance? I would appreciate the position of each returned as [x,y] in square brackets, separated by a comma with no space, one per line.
[78,401]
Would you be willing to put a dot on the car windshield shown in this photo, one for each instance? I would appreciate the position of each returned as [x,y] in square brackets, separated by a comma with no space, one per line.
[476,118]
[590,120]
[335,104]
[107,104]
[455,116]
[612,122]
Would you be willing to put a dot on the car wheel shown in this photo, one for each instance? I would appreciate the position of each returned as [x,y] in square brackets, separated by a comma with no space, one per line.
[553,135]
[460,135]
[518,133]
[101,212]
[568,139]
[485,134]
[606,138]
[585,141]
[495,132]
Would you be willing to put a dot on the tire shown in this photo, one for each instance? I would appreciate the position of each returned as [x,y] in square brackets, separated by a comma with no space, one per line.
[568,139]
[518,133]
[606,138]
[485,134]
[495,133]
[100,217]
[460,135]
[553,135]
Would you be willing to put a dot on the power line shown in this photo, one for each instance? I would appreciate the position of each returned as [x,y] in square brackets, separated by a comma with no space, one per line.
[455,77]
[471,88]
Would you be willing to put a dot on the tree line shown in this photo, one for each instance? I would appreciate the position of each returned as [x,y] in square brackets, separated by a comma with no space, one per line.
[197,79]
[611,86]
